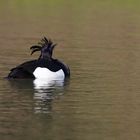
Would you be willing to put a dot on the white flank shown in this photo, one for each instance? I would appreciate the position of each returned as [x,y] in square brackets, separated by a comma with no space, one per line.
[44,73]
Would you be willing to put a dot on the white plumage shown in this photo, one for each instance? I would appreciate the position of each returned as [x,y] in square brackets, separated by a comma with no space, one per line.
[45,73]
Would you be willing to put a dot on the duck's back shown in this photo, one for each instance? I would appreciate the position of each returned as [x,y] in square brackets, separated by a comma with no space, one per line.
[39,68]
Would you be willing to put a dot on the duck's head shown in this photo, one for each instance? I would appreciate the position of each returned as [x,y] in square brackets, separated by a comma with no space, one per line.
[46,47]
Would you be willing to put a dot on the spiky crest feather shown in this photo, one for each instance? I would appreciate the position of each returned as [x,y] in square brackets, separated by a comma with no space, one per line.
[42,44]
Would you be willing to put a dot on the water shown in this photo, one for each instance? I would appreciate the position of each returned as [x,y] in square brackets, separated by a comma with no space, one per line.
[99,40]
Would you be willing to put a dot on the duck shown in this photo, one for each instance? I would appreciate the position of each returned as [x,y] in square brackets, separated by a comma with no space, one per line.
[45,67]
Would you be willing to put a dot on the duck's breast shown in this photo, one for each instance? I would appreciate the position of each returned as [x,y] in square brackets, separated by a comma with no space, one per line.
[45,73]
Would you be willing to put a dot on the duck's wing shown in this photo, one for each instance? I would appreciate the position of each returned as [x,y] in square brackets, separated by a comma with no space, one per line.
[64,67]
[24,70]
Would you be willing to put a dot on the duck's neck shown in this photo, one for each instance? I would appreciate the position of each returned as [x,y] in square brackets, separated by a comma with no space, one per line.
[45,58]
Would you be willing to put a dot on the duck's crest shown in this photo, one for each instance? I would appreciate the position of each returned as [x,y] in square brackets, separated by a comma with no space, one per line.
[42,45]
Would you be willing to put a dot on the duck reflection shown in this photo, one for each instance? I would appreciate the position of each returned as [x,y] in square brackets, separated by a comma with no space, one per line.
[42,91]
[45,92]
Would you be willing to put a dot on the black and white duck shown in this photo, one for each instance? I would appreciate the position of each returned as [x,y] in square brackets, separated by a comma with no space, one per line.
[45,67]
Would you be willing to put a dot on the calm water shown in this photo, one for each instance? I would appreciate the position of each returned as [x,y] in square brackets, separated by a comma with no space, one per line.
[100,41]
